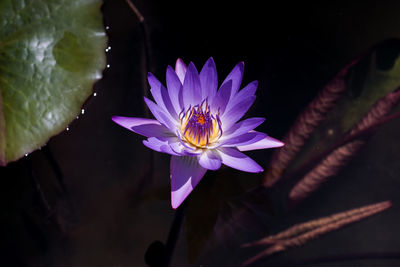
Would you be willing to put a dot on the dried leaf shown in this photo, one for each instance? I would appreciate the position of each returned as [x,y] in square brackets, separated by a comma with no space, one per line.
[305,124]
[336,160]
[300,234]
[374,76]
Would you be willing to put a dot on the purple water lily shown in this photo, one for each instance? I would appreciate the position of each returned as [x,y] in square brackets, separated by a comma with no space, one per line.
[198,124]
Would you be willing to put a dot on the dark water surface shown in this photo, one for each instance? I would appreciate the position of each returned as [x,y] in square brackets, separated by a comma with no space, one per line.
[118,203]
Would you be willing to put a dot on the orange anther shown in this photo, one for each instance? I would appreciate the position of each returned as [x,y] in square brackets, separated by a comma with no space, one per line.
[201,119]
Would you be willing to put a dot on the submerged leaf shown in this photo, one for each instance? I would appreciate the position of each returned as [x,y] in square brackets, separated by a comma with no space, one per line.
[214,191]
[245,215]
[51,53]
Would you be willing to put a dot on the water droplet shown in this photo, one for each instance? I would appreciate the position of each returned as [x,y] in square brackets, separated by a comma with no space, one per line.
[107,27]
[26,154]
[77,117]
[67,129]
[94,94]
[82,111]
[107,66]
[109,48]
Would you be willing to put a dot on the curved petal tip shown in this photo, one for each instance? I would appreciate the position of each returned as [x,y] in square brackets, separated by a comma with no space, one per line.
[186,173]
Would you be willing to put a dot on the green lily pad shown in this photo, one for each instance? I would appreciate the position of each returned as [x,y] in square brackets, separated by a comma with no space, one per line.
[51,53]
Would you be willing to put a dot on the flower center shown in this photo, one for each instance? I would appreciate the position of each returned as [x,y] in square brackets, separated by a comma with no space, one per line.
[201,119]
[199,127]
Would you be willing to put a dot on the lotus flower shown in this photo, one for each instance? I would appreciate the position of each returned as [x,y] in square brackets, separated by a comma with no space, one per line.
[198,124]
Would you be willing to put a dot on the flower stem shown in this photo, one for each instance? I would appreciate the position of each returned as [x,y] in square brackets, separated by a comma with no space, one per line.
[174,232]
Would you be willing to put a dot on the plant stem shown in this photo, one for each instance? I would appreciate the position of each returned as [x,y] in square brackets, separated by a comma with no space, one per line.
[135,10]
[174,232]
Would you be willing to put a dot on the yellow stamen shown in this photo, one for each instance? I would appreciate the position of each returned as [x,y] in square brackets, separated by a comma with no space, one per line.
[198,127]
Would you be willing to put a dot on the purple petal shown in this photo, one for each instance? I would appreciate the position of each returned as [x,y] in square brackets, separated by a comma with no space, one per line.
[161,96]
[249,90]
[266,142]
[150,130]
[174,86]
[189,150]
[220,101]
[236,112]
[191,90]
[209,160]
[242,127]
[146,127]
[183,150]
[237,160]
[129,122]
[244,139]
[180,69]
[161,115]
[161,144]
[186,173]
[236,76]
[209,79]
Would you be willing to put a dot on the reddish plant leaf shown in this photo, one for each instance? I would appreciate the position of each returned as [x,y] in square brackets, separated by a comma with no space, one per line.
[305,124]
[335,161]
[300,234]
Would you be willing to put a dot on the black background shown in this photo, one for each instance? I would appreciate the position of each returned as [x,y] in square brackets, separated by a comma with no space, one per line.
[111,214]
